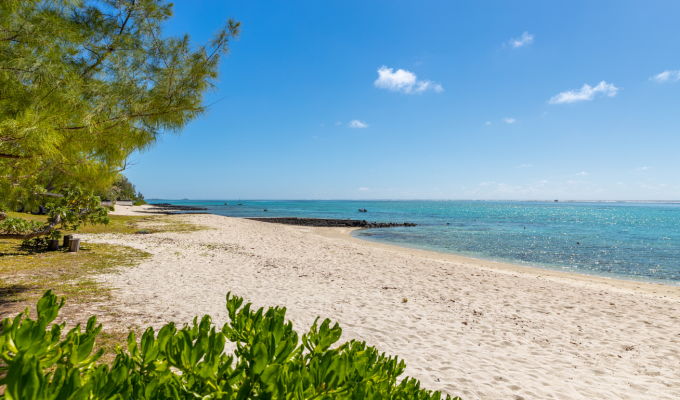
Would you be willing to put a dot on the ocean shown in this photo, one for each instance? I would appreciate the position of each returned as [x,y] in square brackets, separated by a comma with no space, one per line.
[636,241]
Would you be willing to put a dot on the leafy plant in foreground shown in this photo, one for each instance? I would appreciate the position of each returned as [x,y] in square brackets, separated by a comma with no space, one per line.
[270,361]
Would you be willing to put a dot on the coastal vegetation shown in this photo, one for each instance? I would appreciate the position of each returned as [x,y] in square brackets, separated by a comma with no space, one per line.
[84,84]
[271,361]
[27,269]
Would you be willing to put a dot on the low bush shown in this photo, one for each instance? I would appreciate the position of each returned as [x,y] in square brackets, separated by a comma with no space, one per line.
[139,203]
[270,361]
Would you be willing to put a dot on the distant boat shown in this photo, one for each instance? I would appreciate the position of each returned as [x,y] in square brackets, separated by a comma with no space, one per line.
[226,204]
[363,210]
[185,199]
[265,209]
[240,204]
[556,201]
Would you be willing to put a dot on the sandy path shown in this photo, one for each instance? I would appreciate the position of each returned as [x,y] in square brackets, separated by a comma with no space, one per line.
[466,329]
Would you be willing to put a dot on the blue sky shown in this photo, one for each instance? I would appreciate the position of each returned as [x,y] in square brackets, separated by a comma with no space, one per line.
[431,100]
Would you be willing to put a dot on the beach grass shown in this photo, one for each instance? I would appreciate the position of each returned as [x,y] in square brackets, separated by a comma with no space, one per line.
[26,272]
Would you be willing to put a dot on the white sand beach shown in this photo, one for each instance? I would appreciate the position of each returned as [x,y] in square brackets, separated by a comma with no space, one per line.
[477,329]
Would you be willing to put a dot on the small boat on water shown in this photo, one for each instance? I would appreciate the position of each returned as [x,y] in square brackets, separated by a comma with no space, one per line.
[226,204]
[363,210]
[240,204]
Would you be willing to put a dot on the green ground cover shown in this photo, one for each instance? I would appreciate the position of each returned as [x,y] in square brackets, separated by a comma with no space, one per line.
[26,272]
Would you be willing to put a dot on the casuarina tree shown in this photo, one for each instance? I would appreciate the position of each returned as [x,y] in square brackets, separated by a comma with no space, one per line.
[84,84]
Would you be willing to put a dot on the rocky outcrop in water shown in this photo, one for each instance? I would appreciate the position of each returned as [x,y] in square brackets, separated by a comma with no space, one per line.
[322,222]
[172,208]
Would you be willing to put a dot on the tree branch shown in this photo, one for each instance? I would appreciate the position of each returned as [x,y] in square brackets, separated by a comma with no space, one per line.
[15,157]
[31,235]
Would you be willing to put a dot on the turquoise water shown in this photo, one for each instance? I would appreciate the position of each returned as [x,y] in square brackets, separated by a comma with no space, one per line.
[639,241]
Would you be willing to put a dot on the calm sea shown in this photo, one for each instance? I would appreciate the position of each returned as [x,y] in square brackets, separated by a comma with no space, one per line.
[639,241]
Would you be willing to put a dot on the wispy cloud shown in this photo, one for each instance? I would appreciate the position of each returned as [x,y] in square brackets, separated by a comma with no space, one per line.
[486,183]
[487,123]
[355,123]
[338,123]
[643,169]
[523,40]
[587,92]
[404,81]
[666,76]
[582,174]
[523,166]
[509,120]
[363,189]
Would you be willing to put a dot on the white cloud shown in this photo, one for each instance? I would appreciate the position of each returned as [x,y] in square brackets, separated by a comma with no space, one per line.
[488,123]
[524,166]
[525,39]
[509,120]
[643,169]
[666,76]
[338,123]
[363,189]
[582,174]
[355,123]
[587,92]
[486,183]
[403,81]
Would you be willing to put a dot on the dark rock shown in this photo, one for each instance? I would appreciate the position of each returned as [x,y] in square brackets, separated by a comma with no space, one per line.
[170,208]
[322,222]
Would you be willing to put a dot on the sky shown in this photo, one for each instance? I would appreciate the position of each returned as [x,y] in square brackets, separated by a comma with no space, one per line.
[522,100]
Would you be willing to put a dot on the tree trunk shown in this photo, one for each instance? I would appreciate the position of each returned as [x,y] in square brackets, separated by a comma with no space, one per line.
[74,245]
[52,245]
[67,239]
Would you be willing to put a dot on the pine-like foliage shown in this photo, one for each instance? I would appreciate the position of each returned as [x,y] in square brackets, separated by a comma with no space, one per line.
[83,84]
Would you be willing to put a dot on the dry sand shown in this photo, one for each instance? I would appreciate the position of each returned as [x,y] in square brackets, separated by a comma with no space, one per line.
[476,329]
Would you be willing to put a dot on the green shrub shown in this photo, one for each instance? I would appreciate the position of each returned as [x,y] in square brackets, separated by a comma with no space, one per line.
[270,361]
[139,203]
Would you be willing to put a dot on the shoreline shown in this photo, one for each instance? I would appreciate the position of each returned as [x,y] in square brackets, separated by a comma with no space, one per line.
[467,327]
[659,290]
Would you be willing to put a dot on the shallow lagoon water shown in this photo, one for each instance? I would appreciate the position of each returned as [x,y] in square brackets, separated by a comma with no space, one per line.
[639,241]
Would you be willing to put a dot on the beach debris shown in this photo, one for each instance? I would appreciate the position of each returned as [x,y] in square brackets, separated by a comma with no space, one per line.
[630,348]
[464,323]
[387,287]
[404,300]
